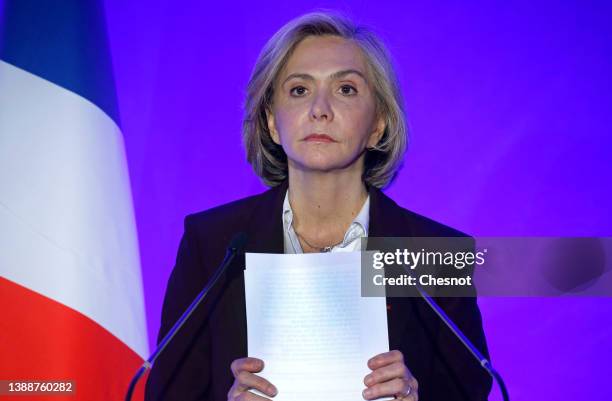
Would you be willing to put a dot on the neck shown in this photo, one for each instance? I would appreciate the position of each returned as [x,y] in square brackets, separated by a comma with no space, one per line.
[325,203]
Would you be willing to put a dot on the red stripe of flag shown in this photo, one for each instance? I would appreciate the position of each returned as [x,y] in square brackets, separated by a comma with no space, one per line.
[41,339]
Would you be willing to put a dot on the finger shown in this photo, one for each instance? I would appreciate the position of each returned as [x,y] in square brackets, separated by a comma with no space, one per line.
[413,384]
[248,396]
[253,365]
[239,392]
[389,388]
[247,380]
[385,358]
[410,391]
[386,373]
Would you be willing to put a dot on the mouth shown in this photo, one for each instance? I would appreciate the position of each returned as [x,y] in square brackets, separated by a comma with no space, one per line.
[319,138]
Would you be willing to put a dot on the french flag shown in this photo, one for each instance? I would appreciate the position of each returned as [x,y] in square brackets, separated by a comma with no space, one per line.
[71,299]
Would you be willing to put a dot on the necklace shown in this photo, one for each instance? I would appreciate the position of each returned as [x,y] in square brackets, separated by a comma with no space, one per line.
[320,249]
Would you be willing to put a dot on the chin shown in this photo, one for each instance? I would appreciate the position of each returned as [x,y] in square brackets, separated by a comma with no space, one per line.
[323,164]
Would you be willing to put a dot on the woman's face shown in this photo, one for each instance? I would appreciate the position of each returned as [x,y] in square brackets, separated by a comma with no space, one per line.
[324,112]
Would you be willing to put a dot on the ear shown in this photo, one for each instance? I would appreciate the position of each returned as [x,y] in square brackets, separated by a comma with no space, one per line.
[272,127]
[378,132]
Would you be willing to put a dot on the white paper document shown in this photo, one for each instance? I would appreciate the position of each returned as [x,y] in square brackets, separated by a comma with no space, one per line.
[307,321]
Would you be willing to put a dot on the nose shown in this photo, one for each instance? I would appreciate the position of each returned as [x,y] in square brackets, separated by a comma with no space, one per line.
[321,108]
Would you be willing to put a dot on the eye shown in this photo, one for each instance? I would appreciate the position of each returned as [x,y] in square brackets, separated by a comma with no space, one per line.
[298,91]
[348,90]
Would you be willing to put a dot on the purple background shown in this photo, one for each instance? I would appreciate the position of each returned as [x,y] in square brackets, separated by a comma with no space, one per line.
[509,106]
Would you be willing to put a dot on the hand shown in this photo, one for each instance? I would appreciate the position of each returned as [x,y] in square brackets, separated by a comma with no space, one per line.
[244,380]
[390,377]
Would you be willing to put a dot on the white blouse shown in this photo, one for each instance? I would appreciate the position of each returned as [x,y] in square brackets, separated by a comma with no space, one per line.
[351,242]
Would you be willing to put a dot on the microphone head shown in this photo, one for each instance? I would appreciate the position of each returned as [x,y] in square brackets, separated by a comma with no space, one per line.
[575,263]
[238,243]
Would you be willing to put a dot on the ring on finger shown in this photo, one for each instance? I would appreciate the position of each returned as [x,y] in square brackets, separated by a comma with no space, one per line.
[405,394]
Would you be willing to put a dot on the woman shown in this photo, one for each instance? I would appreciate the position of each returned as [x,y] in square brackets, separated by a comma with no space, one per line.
[324,127]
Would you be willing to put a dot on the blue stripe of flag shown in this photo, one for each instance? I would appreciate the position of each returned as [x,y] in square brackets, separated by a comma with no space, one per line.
[62,41]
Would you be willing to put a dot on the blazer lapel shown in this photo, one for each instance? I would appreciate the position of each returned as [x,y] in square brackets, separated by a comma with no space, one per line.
[386,217]
[265,228]
[264,231]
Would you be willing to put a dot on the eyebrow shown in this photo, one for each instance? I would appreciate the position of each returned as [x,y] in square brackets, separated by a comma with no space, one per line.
[335,75]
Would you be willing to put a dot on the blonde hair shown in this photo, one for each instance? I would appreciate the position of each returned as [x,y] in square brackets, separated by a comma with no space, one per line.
[269,159]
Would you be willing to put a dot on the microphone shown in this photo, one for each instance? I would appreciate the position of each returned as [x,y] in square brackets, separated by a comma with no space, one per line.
[236,246]
[573,264]
[484,362]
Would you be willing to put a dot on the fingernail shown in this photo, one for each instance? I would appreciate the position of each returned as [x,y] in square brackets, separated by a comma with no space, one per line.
[272,390]
[367,393]
[369,380]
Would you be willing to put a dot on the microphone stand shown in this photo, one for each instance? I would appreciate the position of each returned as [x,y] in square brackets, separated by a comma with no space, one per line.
[236,246]
[484,362]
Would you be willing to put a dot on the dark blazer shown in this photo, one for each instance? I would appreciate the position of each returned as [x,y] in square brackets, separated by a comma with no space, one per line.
[196,365]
